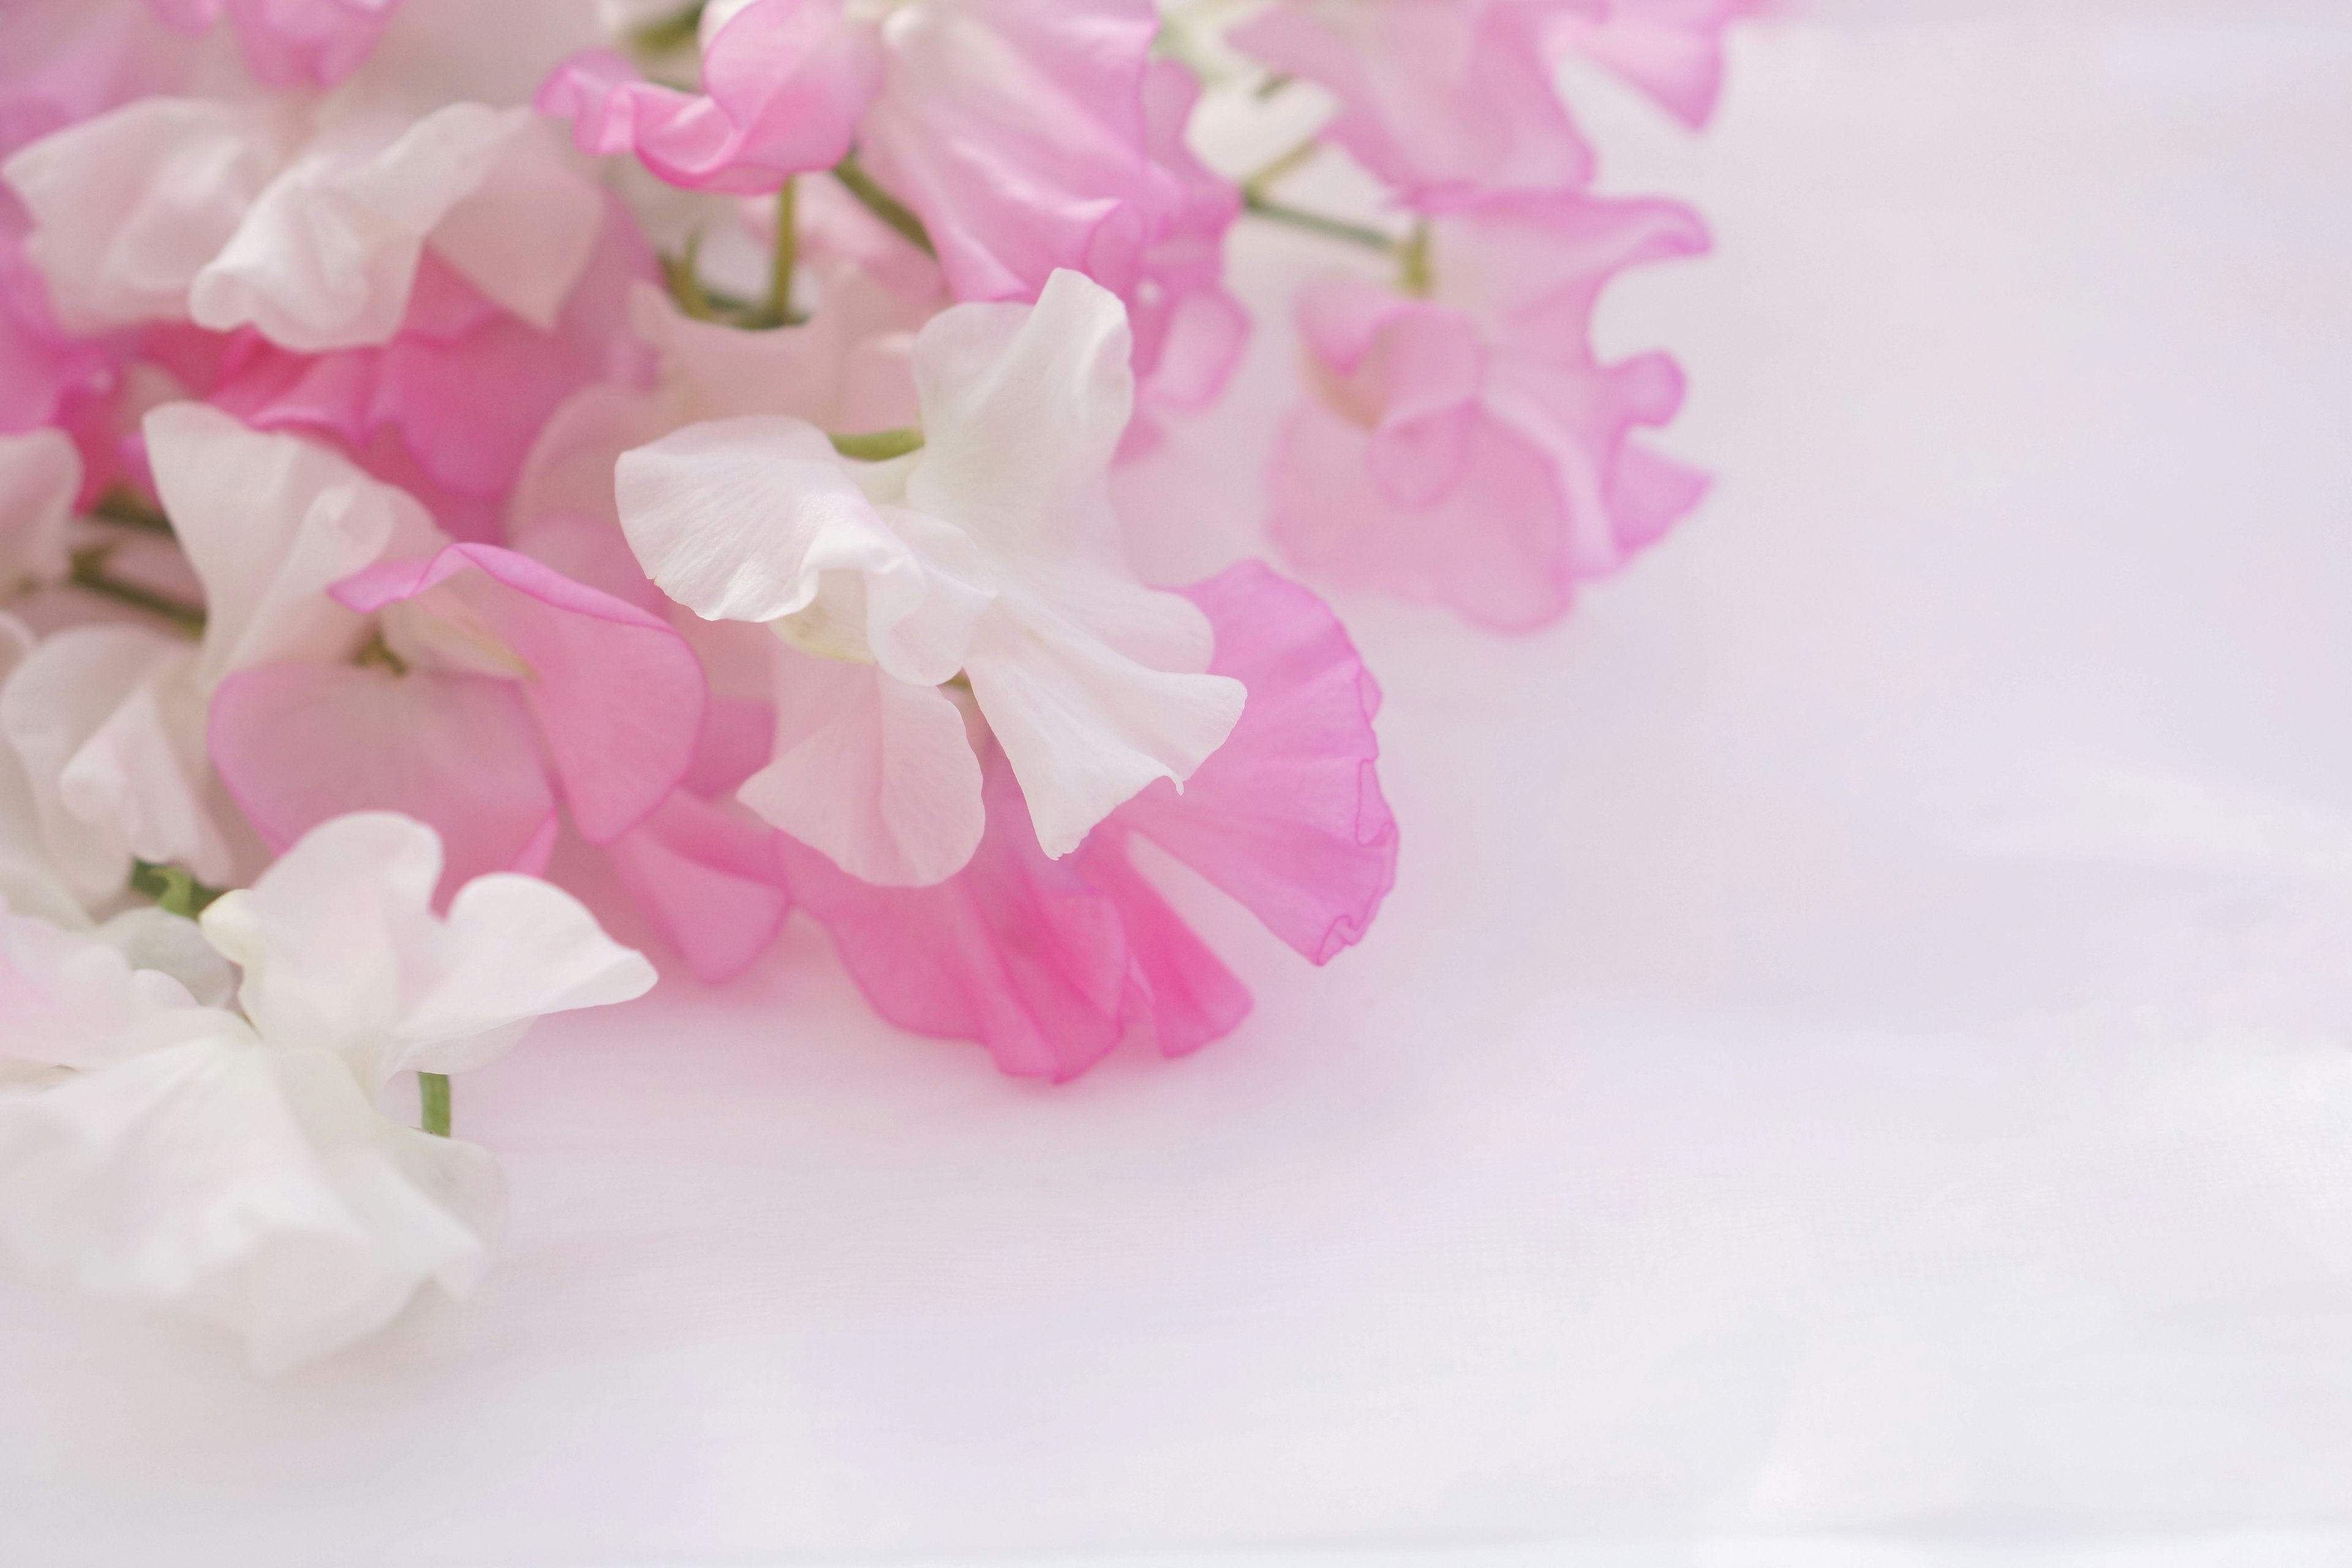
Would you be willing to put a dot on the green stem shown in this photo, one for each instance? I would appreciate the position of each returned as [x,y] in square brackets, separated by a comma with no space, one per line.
[122,506]
[434,1088]
[780,276]
[1415,276]
[878,446]
[882,204]
[89,574]
[1316,222]
[685,285]
[1263,181]
[175,892]
[670,34]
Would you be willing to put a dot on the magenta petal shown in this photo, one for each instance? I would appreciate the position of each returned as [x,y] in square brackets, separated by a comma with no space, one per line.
[1015,950]
[784,82]
[1178,986]
[1287,816]
[709,879]
[298,744]
[616,693]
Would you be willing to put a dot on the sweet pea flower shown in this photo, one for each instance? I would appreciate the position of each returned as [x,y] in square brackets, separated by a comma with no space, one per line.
[306,224]
[1025,137]
[991,551]
[160,1150]
[1671,49]
[289,43]
[107,719]
[1049,963]
[1435,96]
[495,687]
[1468,449]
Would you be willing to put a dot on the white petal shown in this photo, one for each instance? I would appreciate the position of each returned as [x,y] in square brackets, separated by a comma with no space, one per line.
[80,1000]
[109,729]
[40,476]
[253,1188]
[328,254]
[172,946]
[128,208]
[1084,726]
[742,519]
[525,234]
[875,772]
[270,522]
[1024,407]
[341,949]
[30,879]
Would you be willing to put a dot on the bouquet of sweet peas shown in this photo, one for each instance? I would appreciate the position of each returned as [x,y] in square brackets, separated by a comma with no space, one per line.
[440,443]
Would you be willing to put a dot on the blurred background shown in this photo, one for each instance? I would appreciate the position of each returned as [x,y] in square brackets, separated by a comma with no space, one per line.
[1855,1070]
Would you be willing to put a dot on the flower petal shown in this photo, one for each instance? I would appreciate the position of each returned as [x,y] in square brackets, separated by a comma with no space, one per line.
[253,1188]
[299,744]
[341,949]
[876,773]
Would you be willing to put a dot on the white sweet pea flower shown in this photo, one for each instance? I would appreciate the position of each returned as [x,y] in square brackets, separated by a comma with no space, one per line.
[107,721]
[156,1149]
[341,949]
[308,225]
[991,551]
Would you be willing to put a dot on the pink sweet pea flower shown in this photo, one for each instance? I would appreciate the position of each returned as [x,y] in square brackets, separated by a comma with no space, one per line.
[784,83]
[1436,97]
[1468,449]
[1048,963]
[515,688]
[289,43]
[1671,49]
[451,408]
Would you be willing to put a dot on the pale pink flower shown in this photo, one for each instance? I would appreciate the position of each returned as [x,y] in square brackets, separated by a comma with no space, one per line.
[1435,96]
[289,43]
[1049,963]
[1469,449]
[518,689]
[784,84]
[1671,49]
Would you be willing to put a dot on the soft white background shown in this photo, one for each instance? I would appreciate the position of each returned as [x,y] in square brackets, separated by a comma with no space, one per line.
[1856,1069]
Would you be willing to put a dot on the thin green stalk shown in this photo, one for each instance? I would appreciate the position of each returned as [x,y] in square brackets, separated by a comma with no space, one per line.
[1415,276]
[122,507]
[175,892]
[788,241]
[878,446]
[670,34]
[1264,180]
[90,576]
[882,204]
[433,1088]
[1316,222]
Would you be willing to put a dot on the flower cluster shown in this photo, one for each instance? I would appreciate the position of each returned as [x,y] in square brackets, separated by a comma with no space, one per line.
[668,449]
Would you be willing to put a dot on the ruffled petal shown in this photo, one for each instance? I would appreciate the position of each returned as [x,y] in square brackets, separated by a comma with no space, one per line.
[328,254]
[1015,952]
[784,84]
[71,999]
[711,880]
[341,949]
[129,207]
[1288,816]
[253,1188]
